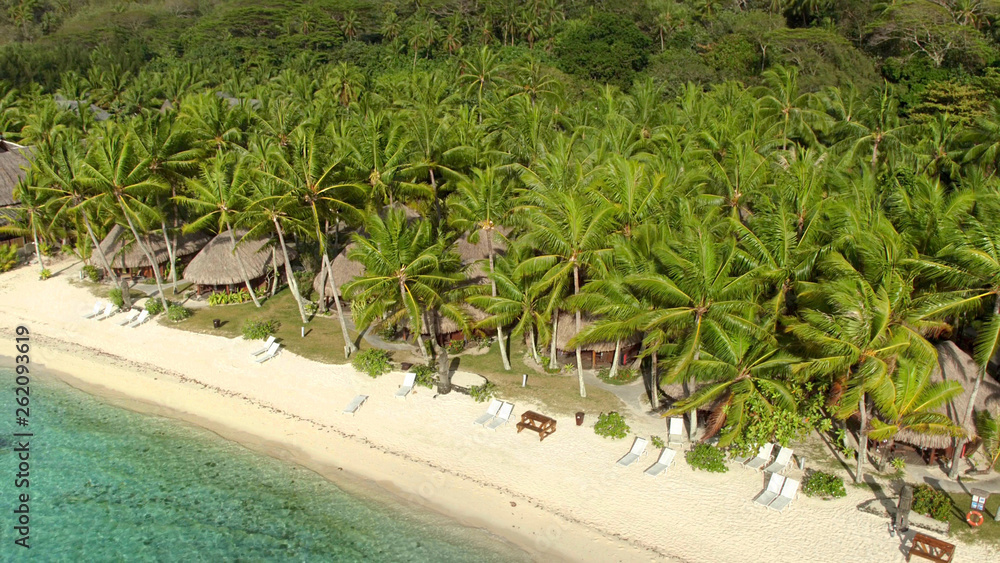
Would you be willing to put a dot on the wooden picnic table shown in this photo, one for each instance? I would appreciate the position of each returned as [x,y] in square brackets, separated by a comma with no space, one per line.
[931,548]
[538,423]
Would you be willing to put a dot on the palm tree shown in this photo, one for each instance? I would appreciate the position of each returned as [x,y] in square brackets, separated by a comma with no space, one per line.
[480,70]
[34,214]
[781,101]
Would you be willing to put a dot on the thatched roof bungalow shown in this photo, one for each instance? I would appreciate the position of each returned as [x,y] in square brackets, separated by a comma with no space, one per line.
[215,267]
[600,353]
[14,162]
[127,258]
[476,256]
[343,269]
[955,365]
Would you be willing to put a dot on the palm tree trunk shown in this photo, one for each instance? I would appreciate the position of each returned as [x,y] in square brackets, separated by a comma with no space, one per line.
[99,250]
[147,253]
[38,248]
[614,362]
[579,354]
[349,346]
[292,284]
[274,275]
[533,344]
[693,415]
[553,364]
[862,440]
[243,269]
[170,254]
[654,382]
[324,269]
[493,291]
[415,324]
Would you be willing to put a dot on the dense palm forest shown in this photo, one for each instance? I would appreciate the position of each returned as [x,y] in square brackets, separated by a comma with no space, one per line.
[786,205]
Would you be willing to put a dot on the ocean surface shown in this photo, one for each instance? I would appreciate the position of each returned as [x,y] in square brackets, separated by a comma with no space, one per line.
[109,484]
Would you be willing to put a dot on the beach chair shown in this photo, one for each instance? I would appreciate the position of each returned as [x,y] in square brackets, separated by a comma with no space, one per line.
[356,404]
[267,344]
[408,380]
[108,311]
[662,464]
[271,352]
[491,412]
[788,491]
[129,317]
[638,449]
[781,461]
[675,435]
[763,456]
[142,318]
[98,306]
[503,415]
[772,491]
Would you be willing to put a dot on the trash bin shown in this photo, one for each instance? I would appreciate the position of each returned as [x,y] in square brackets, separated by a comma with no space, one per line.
[579,419]
[216,323]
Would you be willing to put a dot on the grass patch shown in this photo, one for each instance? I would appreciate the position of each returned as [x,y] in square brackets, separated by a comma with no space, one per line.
[988,533]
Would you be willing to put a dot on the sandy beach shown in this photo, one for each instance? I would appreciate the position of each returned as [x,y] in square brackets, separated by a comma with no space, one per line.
[561,499]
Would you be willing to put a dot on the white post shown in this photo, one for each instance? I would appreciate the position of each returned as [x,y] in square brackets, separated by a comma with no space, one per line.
[524,380]
[303,332]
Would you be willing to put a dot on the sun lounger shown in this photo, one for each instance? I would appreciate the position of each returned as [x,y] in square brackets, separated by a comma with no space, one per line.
[772,491]
[98,306]
[108,311]
[638,449]
[143,317]
[781,461]
[763,456]
[503,415]
[129,317]
[675,436]
[788,491]
[408,380]
[355,404]
[267,344]
[491,412]
[272,351]
[662,464]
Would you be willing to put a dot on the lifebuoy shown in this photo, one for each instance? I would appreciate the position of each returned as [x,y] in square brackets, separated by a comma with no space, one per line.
[974,518]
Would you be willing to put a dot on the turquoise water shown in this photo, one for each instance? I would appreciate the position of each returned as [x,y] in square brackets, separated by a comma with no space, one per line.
[108,484]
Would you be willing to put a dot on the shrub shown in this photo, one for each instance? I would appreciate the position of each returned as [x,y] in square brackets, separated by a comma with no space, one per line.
[456,346]
[305,281]
[177,312]
[154,306]
[387,331]
[259,330]
[425,375]
[91,273]
[374,362]
[484,392]
[931,502]
[623,376]
[657,442]
[823,485]
[115,297]
[707,458]
[611,425]
[232,298]
[604,48]
[45,274]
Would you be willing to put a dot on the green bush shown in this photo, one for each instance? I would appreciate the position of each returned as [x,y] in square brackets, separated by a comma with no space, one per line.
[305,281]
[425,375]
[606,48]
[484,392]
[259,330]
[232,298]
[657,442]
[115,297]
[177,312]
[154,306]
[707,458]
[91,273]
[622,377]
[387,332]
[456,346]
[823,485]
[374,362]
[45,274]
[611,425]
[931,502]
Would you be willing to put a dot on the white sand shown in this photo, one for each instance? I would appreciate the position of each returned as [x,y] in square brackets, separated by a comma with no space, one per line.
[572,502]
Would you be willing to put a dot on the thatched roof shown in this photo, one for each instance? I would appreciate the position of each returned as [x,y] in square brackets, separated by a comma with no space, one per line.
[476,256]
[567,330]
[14,161]
[122,252]
[448,326]
[74,105]
[343,269]
[956,365]
[216,264]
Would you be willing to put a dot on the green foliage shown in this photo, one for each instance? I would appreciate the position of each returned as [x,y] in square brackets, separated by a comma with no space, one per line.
[607,48]
[733,56]
[45,274]
[931,502]
[988,429]
[8,257]
[115,297]
[657,442]
[622,377]
[707,457]
[456,346]
[305,281]
[230,298]
[823,485]
[177,313]
[259,330]
[782,426]
[373,361]
[91,273]
[611,425]
[154,306]
[426,375]
[484,392]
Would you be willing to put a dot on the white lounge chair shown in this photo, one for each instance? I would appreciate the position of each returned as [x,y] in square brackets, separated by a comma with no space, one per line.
[267,344]
[638,449]
[662,464]
[272,351]
[98,306]
[781,461]
[108,311]
[675,435]
[129,317]
[408,380]
[772,491]
[355,404]
[142,318]
[788,492]
[763,456]
[503,415]
[491,412]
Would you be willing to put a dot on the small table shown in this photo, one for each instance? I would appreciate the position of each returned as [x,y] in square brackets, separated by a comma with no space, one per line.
[931,548]
[537,422]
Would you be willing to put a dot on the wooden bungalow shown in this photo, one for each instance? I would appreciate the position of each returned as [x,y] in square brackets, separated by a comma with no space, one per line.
[127,258]
[596,355]
[216,269]
[955,365]
[14,162]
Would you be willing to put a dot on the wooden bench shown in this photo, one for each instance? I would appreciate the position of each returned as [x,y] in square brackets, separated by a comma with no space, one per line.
[931,548]
[537,422]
